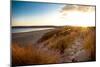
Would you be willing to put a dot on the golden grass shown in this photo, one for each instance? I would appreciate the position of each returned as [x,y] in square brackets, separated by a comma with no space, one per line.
[33,55]
[90,44]
[51,47]
[60,40]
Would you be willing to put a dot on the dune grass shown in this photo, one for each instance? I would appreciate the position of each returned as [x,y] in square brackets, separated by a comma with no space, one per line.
[33,55]
[55,47]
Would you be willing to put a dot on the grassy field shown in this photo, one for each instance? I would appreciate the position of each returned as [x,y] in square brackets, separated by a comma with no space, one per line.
[60,45]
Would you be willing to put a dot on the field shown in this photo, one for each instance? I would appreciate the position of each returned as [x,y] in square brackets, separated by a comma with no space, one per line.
[60,45]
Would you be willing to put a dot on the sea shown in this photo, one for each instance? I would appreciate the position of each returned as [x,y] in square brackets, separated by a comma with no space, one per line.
[19,30]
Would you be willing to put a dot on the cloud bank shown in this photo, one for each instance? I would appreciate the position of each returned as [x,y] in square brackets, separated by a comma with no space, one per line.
[79,8]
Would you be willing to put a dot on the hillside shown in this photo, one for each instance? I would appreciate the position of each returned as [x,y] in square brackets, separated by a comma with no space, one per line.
[65,44]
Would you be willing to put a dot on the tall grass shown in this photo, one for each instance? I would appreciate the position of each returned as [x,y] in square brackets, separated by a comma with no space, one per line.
[33,55]
[55,47]
[60,40]
[90,44]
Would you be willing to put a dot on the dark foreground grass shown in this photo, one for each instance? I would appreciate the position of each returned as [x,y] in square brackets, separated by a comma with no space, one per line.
[33,55]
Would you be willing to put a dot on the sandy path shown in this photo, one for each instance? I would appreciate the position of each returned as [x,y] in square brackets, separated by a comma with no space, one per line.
[76,52]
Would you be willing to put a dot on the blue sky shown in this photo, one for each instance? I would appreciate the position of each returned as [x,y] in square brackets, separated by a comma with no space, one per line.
[28,10]
[21,9]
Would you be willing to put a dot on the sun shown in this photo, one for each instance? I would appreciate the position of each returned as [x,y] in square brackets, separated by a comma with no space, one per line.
[83,19]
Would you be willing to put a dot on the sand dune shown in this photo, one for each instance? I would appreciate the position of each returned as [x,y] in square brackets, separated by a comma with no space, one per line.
[65,44]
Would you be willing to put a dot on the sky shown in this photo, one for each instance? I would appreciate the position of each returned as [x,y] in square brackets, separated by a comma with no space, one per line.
[37,13]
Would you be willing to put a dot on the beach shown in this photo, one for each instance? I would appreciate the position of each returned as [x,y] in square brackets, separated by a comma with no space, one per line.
[28,37]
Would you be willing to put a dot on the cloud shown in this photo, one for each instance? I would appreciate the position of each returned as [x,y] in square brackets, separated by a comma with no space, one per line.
[79,8]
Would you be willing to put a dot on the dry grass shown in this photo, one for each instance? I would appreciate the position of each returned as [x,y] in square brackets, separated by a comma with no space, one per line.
[52,46]
[59,40]
[89,44]
[33,55]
